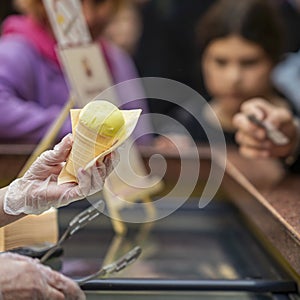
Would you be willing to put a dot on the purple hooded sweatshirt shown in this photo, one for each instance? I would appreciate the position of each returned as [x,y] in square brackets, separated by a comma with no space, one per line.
[33,89]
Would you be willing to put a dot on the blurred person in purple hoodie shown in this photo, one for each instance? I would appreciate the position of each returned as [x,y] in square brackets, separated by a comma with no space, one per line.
[33,88]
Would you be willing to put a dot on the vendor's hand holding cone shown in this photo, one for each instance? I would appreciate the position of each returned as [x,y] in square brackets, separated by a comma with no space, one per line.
[98,129]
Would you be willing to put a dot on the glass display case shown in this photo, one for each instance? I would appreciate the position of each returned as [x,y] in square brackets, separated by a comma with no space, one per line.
[192,254]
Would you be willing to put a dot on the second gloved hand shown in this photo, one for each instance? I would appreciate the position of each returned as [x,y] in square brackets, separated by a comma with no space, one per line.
[37,190]
[24,278]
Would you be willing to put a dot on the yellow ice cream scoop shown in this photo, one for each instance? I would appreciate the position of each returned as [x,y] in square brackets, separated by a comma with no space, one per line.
[102,117]
[98,128]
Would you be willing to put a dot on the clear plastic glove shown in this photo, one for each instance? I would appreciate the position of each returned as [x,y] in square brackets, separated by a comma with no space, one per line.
[25,278]
[37,190]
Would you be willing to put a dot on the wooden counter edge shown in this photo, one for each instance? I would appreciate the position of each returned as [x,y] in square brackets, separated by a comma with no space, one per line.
[255,206]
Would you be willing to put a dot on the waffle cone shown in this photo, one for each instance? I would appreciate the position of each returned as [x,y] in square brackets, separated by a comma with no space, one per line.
[86,146]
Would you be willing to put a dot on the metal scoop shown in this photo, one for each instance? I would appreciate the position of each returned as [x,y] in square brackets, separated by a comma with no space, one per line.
[114,267]
[78,222]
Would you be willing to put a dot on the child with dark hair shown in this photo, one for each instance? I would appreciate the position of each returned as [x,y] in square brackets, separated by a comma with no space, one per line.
[240,42]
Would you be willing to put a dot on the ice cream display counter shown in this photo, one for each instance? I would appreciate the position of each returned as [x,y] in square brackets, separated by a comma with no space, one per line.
[243,245]
[191,254]
[217,252]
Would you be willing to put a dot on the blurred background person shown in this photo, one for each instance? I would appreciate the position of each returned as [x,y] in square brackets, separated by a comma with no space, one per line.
[125,28]
[33,88]
[240,44]
[253,140]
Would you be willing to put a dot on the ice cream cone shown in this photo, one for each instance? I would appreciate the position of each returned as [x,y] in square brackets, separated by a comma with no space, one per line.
[96,136]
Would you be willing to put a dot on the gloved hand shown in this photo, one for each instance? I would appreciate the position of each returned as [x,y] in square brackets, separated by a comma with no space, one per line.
[25,278]
[38,190]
